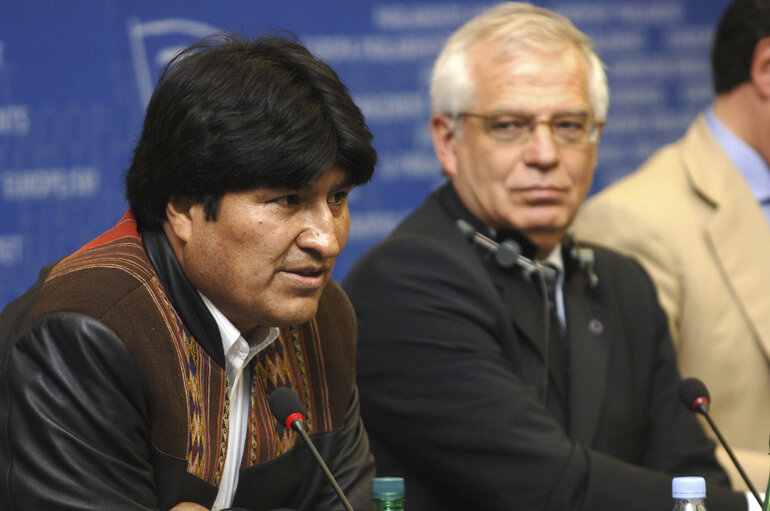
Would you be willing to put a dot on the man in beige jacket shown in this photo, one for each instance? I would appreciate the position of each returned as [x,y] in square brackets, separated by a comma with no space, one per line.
[696,216]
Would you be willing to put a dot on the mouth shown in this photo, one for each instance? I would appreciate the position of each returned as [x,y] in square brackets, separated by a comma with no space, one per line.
[308,277]
[541,186]
[308,271]
[541,192]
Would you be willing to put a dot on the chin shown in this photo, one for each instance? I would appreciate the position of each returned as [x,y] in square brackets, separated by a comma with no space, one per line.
[298,312]
[546,222]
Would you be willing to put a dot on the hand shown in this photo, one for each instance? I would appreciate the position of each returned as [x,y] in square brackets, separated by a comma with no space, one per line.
[188,506]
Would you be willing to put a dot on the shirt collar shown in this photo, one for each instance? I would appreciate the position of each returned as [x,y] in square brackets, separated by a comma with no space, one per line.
[556,260]
[259,339]
[754,169]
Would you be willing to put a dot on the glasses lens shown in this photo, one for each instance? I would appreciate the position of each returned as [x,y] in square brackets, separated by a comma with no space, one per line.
[509,127]
[572,129]
[566,129]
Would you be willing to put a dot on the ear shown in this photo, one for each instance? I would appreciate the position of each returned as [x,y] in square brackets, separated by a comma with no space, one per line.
[600,130]
[760,68]
[444,140]
[179,216]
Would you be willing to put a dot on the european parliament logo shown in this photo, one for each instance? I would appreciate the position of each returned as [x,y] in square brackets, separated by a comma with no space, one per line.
[154,43]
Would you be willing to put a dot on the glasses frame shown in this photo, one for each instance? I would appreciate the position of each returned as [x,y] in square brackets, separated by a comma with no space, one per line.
[594,127]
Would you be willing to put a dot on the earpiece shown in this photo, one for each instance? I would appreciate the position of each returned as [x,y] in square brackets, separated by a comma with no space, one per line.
[584,258]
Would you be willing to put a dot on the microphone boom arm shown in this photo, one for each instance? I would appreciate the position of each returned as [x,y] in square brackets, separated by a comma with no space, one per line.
[507,254]
[297,426]
[703,409]
[694,394]
[288,410]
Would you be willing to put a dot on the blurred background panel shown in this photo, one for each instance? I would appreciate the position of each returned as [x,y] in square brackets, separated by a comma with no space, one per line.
[75,77]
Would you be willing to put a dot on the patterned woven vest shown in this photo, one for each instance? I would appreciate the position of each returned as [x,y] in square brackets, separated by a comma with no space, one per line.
[112,279]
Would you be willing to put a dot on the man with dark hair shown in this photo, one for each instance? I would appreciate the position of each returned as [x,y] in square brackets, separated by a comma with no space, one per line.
[546,381]
[136,373]
[696,216]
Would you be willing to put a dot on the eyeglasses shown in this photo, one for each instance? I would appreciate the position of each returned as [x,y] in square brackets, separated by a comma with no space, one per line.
[567,129]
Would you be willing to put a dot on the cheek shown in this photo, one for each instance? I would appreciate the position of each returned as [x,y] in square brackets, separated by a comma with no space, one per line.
[500,164]
[342,228]
[582,172]
[245,252]
[477,159]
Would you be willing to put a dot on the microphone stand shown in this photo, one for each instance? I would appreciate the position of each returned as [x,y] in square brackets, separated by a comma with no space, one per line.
[703,409]
[297,426]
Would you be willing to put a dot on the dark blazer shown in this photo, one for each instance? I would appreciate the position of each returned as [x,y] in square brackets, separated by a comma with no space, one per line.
[451,370]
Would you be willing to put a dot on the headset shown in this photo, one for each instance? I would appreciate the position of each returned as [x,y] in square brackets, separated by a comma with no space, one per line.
[508,255]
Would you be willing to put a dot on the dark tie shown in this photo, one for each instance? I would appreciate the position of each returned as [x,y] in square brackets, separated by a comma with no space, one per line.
[557,340]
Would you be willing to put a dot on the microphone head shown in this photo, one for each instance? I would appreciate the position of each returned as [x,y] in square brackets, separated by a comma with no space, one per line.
[507,254]
[467,229]
[584,257]
[286,406]
[694,394]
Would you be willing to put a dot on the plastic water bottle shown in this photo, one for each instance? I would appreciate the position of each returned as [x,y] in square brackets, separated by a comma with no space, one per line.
[388,493]
[689,493]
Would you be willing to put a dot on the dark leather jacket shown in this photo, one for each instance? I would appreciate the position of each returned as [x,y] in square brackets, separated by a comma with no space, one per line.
[96,406]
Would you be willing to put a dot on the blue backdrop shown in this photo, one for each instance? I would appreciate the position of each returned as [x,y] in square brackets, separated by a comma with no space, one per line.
[75,77]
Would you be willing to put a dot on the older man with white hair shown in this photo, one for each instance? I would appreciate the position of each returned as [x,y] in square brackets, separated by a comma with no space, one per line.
[501,365]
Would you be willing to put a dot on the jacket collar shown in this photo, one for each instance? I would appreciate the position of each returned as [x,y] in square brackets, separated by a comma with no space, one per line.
[187,302]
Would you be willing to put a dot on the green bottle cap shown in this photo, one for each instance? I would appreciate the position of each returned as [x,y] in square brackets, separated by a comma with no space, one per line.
[388,487]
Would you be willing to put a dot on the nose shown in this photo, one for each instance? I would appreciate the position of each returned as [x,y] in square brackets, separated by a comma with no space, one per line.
[322,233]
[540,149]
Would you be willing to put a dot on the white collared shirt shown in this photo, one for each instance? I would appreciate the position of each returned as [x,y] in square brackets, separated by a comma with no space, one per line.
[238,354]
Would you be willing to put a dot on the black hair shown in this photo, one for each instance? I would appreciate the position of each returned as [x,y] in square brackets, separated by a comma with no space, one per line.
[230,114]
[742,25]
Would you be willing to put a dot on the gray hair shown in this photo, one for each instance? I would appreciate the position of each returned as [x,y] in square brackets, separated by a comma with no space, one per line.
[518,27]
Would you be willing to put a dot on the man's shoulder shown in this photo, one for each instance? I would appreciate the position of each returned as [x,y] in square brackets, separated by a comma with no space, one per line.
[423,244]
[111,270]
[429,218]
[651,198]
[96,279]
[671,173]
[651,182]
[431,226]
[609,257]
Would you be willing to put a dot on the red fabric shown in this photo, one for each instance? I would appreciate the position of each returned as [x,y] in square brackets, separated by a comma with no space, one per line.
[125,227]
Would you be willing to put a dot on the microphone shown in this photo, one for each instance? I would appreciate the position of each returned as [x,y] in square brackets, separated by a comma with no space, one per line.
[695,396]
[507,254]
[287,409]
